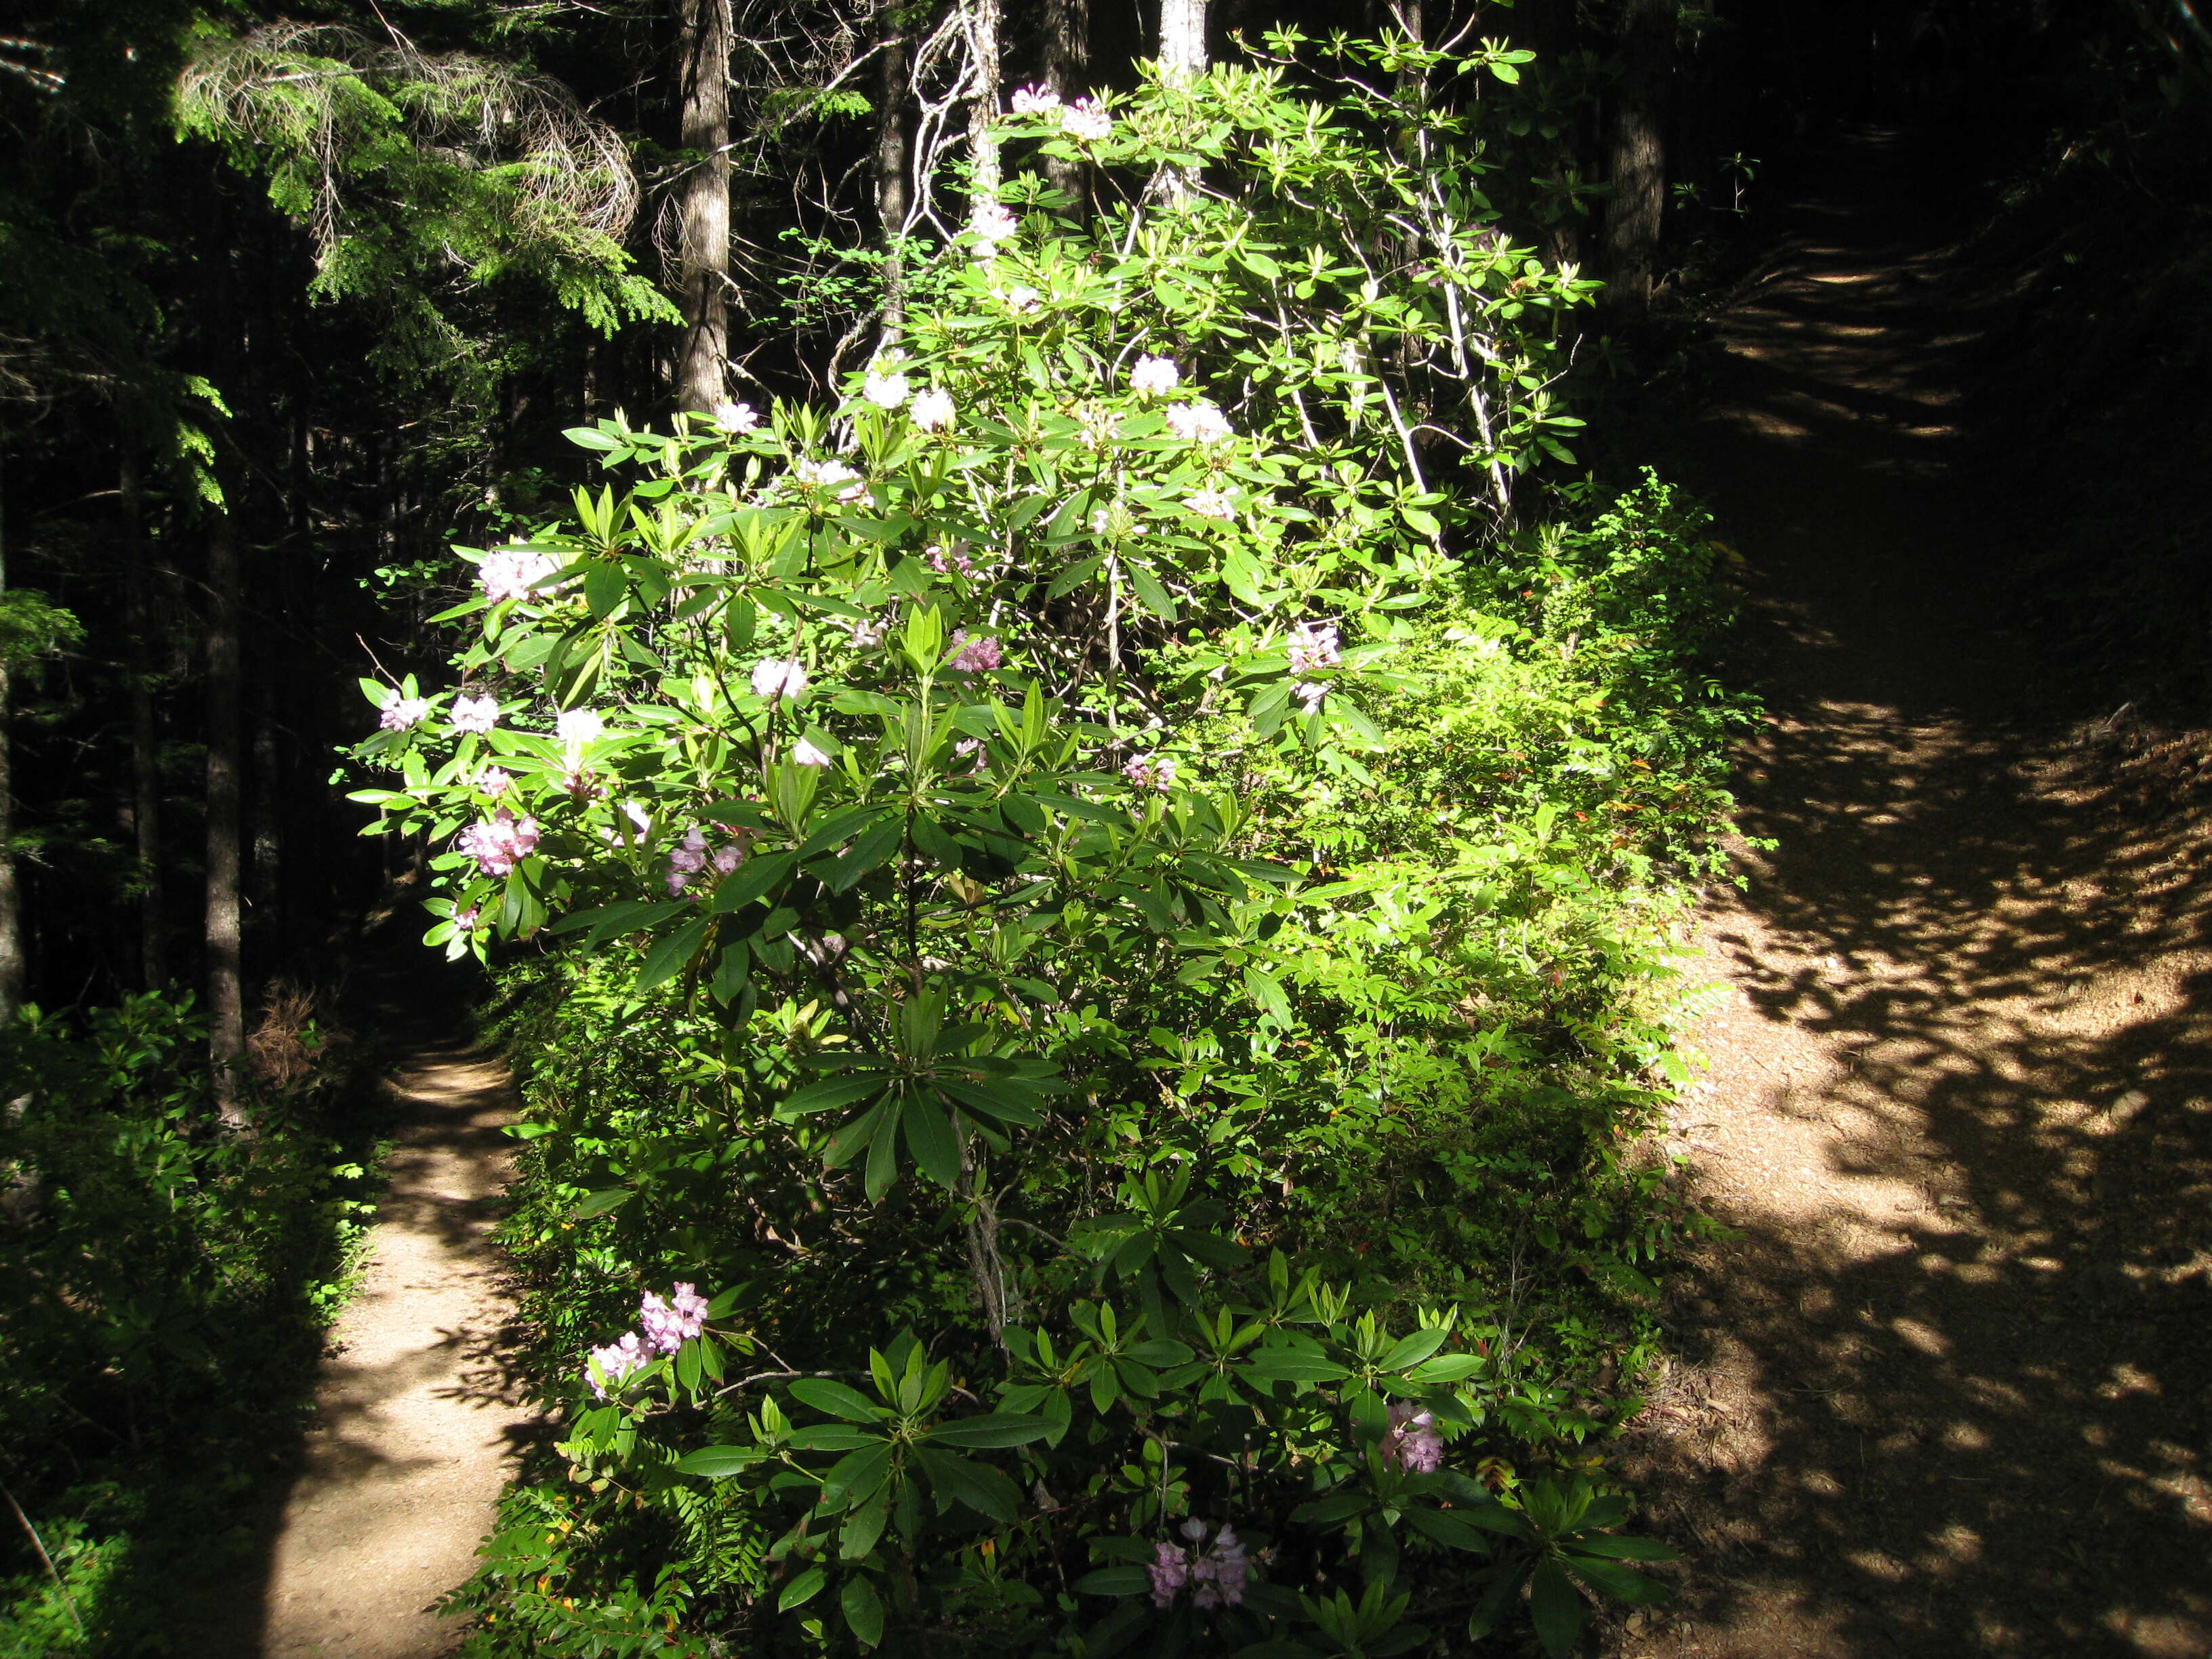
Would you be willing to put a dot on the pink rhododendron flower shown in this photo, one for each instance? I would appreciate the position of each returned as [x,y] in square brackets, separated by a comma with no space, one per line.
[1314,647]
[473,713]
[500,842]
[977,656]
[491,781]
[727,857]
[992,224]
[774,678]
[1154,375]
[1150,772]
[842,483]
[610,1366]
[733,418]
[1309,694]
[404,714]
[686,860]
[1170,1571]
[513,573]
[1198,423]
[669,1325]
[1087,119]
[1413,1443]
[931,410]
[884,389]
[807,755]
[944,561]
[464,921]
[1034,101]
[580,784]
[1216,1575]
[1210,504]
[1021,298]
[577,727]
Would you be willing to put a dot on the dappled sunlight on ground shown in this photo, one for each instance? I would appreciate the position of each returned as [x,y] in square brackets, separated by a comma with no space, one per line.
[1947,1392]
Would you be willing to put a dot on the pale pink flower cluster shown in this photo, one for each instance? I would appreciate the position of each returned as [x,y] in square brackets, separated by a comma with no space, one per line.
[668,1325]
[403,714]
[1314,646]
[577,728]
[835,477]
[806,753]
[991,224]
[500,842]
[774,678]
[884,387]
[976,656]
[1413,1443]
[689,860]
[946,561]
[1216,1576]
[1309,693]
[1198,423]
[613,1364]
[513,573]
[491,781]
[733,418]
[1153,376]
[464,921]
[1210,504]
[1020,299]
[1085,118]
[1150,772]
[931,410]
[474,713]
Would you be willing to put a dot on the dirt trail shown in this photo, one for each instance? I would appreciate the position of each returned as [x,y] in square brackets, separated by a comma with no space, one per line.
[416,1415]
[1945,1392]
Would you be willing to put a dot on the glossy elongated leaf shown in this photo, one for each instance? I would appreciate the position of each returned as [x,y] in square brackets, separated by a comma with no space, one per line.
[754,877]
[930,1138]
[1625,1549]
[802,1589]
[601,1203]
[717,1461]
[832,1092]
[1410,1351]
[1337,1506]
[863,1609]
[1114,1581]
[869,852]
[669,956]
[859,1476]
[827,1394]
[982,1488]
[1448,1527]
[997,1103]
[1447,1368]
[991,1429]
[863,1526]
[1623,1583]
[1557,1608]
[1289,1365]
[833,1437]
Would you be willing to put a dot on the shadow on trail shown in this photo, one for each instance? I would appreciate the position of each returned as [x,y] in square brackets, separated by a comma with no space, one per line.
[1952,1396]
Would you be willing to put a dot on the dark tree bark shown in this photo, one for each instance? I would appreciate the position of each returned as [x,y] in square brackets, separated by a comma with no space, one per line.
[225,976]
[266,890]
[982,126]
[703,257]
[892,193]
[145,738]
[1066,72]
[11,896]
[1633,216]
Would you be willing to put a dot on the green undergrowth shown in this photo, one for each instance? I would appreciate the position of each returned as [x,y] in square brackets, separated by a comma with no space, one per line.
[1429,1098]
[164,1282]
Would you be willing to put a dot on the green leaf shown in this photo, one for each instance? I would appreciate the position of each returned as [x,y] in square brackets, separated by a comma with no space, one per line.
[1625,1549]
[1114,1581]
[863,1611]
[830,1092]
[603,1203]
[1611,1578]
[1290,1366]
[753,878]
[1557,1608]
[590,437]
[1337,1506]
[669,956]
[930,1138]
[802,1589]
[717,1461]
[982,1488]
[873,849]
[835,1397]
[1449,1528]
[833,1437]
[1411,1349]
[992,1429]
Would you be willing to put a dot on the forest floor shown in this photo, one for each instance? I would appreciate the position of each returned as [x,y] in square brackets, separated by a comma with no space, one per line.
[417,1417]
[1944,1391]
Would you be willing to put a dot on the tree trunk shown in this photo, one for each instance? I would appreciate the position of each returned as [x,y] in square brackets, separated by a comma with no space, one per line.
[890,176]
[983,118]
[11,897]
[145,740]
[266,890]
[225,978]
[1639,154]
[703,259]
[1182,38]
[1066,72]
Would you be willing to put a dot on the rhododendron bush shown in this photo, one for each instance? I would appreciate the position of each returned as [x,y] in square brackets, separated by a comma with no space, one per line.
[940,992]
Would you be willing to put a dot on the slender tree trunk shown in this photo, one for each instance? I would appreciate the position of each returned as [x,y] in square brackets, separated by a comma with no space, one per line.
[1066,71]
[145,740]
[982,126]
[225,977]
[703,257]
[1182,38]
[1639,154]
[266,890]
[890,176]
[11,897]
